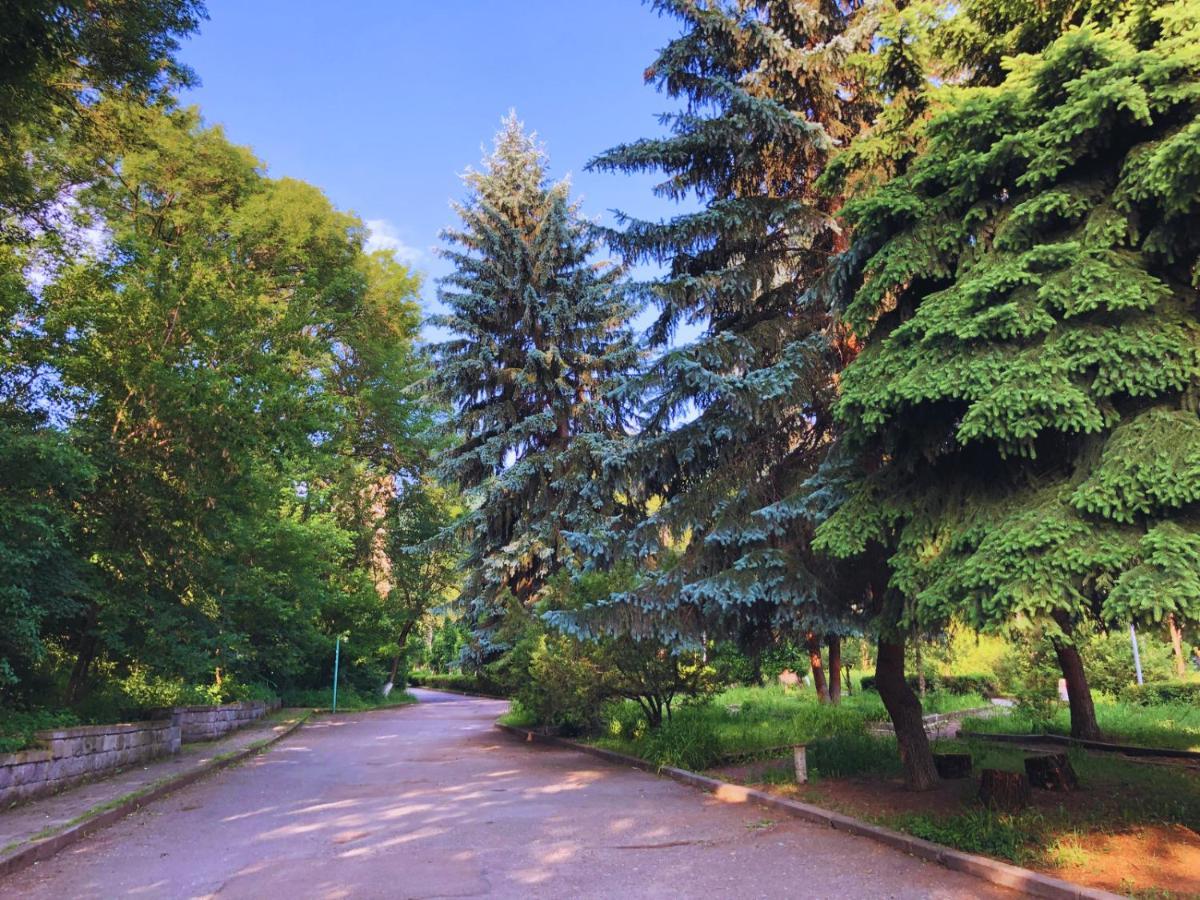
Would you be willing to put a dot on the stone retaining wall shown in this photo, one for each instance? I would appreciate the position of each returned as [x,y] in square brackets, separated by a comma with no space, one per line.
[207,723]
[70,755]
[67,756]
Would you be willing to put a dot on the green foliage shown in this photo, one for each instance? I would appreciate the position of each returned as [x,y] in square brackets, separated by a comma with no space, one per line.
[467,682]
[18,729]
[1174,693]
[539,334]
[1033,349]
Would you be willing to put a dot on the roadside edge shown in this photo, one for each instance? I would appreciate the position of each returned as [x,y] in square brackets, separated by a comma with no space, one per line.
[43,848]
[1000,873]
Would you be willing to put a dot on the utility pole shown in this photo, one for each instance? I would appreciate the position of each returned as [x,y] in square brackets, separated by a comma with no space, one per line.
[337,653]
[1137,657]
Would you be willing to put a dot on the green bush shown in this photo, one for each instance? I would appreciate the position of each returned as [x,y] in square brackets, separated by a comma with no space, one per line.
[18,729]
[731,664]
[564,688]
[457,681]
[784,656]
[1162,693]
[976,683]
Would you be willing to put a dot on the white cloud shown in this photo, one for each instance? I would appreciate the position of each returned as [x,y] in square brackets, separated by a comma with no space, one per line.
[383,235]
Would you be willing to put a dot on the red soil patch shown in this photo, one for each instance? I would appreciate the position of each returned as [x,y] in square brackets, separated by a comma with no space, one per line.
[1131,857]
[1143,858]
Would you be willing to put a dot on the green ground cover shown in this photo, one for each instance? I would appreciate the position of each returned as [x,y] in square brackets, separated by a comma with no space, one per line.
[347,700]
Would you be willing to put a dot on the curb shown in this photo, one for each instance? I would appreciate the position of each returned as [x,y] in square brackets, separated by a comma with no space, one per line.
[38,850]
[999,873]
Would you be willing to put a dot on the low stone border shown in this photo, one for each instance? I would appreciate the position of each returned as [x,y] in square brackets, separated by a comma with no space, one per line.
[1000,873]
[1062,740]
[43,848]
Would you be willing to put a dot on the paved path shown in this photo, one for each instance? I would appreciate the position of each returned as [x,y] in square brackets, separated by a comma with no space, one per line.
[431,801]
[51,814]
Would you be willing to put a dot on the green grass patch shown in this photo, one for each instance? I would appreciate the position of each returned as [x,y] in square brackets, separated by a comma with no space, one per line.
[347,700]
[739,723]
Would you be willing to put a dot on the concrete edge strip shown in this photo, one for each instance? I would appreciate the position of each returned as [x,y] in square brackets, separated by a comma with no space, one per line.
[997,872]
[38,850]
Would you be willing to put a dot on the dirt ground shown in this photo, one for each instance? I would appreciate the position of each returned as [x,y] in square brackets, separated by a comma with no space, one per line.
[1144,858]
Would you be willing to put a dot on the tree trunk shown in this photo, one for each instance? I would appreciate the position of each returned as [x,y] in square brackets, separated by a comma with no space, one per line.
[813,642]
[905,711]
[1079,695]
[835,668]
[920,661]
[404,633]
[1177,643]
[83,662]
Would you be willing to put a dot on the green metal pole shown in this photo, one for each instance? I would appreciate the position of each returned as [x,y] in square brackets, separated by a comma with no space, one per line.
[337,652]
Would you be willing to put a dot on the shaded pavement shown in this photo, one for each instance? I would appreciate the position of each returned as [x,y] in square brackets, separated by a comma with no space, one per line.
[431,801]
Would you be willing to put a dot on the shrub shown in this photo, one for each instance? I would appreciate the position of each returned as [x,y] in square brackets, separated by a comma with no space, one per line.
[1162,693]
[976,683]
[18,729]
[564,687]
[784,656]
[471,683]
[732,665]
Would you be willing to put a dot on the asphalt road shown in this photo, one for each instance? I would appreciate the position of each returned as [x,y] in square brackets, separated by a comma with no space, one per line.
[431,801]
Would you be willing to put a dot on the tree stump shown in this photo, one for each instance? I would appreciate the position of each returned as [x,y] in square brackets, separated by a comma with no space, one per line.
[952,765]
[1007,791]
[1051,772]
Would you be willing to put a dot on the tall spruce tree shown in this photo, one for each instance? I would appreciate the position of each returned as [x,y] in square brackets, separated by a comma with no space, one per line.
[1031,377]
[739,418]
[540,335]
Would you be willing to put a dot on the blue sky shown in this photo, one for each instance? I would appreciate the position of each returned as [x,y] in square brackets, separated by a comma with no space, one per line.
[382,104]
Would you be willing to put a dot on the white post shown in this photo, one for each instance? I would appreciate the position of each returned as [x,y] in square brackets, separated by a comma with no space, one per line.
[1137,657]
[800,753]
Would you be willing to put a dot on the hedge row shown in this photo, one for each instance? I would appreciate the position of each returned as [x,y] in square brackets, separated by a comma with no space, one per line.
[457,681]
[1162,692]
[985,685]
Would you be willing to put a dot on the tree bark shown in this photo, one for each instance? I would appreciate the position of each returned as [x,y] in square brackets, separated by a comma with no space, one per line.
[83,662]
[1177,643]
[1079,695]
[835,668]
[920,661]
[404,633]
[813,642]
[904,708]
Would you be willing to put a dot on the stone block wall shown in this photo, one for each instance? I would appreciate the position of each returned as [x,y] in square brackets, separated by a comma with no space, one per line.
[71,755]
[207,723]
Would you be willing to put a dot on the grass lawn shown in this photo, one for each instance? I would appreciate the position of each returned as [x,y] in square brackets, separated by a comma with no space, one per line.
[347,701]
[1131,827]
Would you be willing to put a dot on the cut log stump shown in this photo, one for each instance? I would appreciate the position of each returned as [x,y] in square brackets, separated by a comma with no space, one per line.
[1006,791]
[952,765]
[1051,772]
